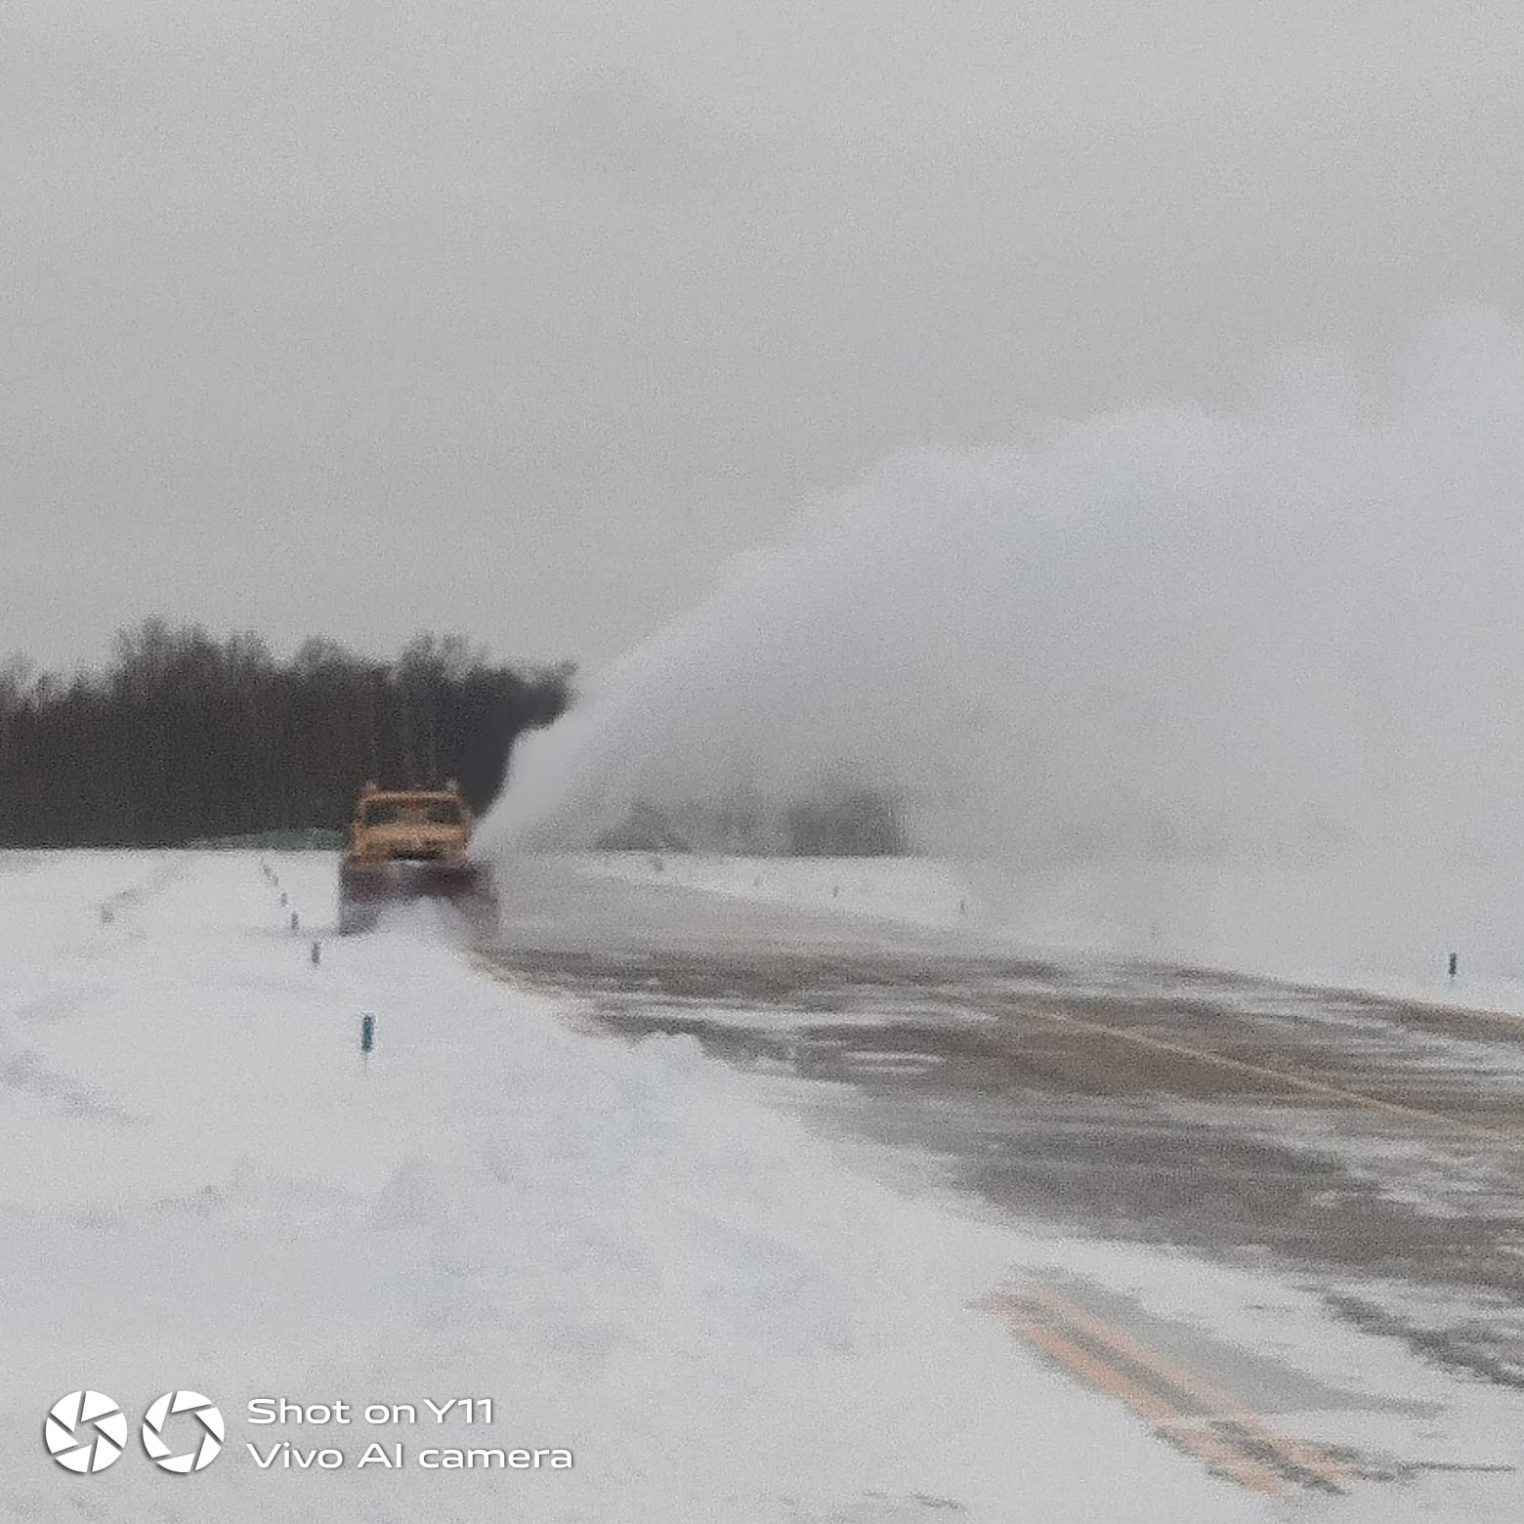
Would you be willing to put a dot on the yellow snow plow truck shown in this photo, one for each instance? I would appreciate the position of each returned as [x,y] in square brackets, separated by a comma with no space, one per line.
[407,844]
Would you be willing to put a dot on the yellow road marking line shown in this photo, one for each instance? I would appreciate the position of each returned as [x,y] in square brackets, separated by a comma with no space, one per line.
[1209,1447]
[1218,1403]
[1281,1077]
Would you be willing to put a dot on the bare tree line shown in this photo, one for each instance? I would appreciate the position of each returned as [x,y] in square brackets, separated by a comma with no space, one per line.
[183,736]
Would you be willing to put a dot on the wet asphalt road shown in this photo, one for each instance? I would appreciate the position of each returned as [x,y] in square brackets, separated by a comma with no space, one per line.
[1372,1146]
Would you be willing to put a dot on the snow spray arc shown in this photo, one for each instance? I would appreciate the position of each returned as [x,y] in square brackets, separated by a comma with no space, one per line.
[1255,639]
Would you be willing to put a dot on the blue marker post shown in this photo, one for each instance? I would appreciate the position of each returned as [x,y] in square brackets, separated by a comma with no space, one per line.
[367,1038]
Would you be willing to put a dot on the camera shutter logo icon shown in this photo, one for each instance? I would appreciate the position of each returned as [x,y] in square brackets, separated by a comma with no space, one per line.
[85,1431]
[201,1428]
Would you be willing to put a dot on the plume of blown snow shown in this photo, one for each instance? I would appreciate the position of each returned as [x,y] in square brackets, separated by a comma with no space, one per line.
[1286,632]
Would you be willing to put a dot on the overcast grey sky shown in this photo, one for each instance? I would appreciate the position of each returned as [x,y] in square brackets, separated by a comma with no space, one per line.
[519,317]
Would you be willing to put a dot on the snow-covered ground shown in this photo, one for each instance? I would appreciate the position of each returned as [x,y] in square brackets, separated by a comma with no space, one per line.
[208,1189]
[625,1249]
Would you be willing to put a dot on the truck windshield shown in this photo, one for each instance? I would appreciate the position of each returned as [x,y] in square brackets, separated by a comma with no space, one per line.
[412,812]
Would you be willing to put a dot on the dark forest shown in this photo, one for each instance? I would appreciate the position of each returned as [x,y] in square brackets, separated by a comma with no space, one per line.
[184,737]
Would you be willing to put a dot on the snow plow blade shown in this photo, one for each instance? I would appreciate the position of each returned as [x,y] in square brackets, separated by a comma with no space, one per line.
[366,891]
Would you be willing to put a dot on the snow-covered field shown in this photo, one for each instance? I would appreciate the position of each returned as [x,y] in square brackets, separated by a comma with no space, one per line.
[624,1249]
[208,1189]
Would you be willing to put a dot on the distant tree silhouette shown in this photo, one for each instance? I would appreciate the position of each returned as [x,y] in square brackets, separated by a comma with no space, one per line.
[833,820]
[184,736]
[849,823]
